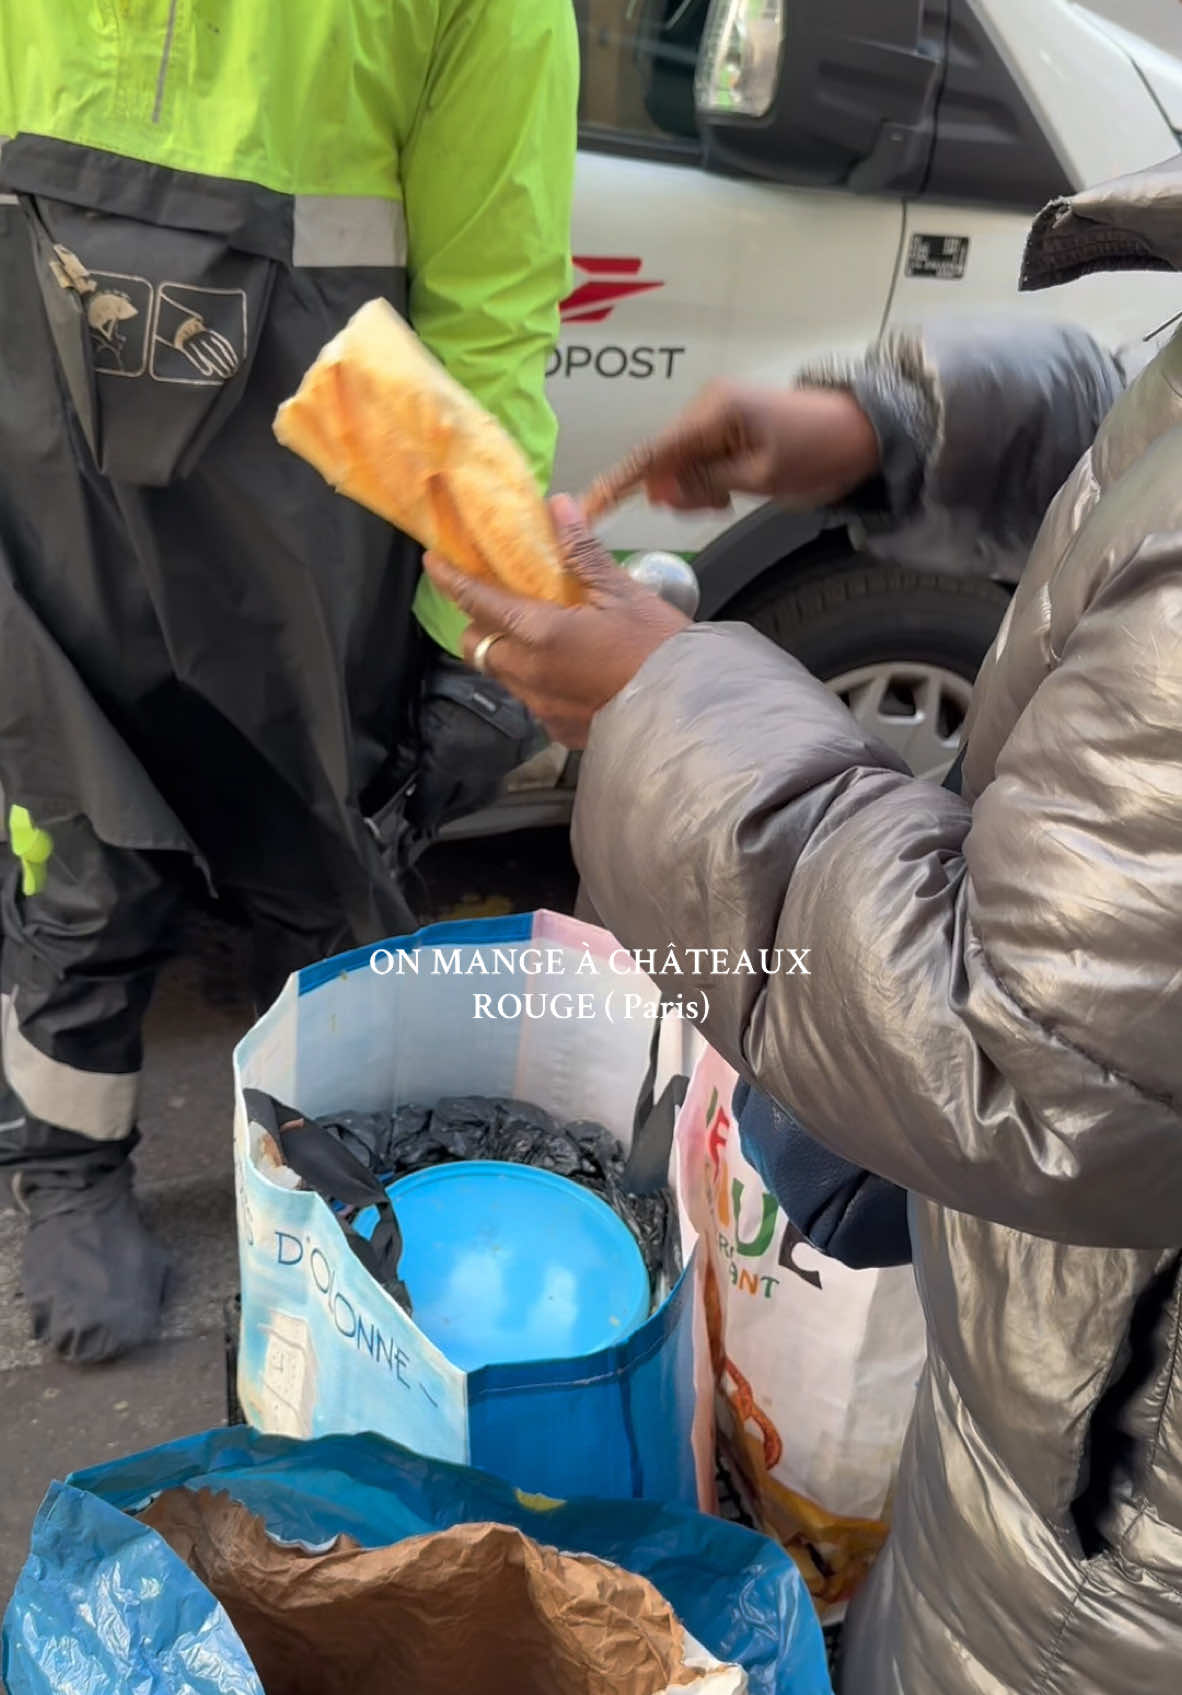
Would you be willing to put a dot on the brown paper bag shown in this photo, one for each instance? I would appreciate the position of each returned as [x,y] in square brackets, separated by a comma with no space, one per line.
[476,1610]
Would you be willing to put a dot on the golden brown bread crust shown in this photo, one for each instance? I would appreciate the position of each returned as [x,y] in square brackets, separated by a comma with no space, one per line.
[384,423]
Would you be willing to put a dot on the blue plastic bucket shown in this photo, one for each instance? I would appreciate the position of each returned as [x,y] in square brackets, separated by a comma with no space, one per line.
[507,1263]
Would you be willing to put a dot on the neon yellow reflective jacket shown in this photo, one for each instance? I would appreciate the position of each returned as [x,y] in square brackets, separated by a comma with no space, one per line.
[462,110]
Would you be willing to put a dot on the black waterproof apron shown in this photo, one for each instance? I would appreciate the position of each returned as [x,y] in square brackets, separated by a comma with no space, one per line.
[207,655]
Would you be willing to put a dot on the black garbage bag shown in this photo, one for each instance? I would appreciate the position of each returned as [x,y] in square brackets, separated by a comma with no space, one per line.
[326,1165]
[465,1127]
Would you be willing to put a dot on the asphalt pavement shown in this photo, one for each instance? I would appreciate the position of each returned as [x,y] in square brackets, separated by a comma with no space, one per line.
[57,1418]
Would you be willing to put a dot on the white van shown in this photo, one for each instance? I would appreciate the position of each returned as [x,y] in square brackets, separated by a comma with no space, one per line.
[761,181]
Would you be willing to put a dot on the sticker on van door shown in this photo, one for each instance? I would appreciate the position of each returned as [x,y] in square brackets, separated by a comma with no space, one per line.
[608,281]
[942,256]
[603,285]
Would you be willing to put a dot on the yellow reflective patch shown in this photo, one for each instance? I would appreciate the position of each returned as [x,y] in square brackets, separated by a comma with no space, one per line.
[32,846]
[476,906]
[538,1503]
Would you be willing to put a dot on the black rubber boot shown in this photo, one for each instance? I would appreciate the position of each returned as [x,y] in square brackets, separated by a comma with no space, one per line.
[93,1277]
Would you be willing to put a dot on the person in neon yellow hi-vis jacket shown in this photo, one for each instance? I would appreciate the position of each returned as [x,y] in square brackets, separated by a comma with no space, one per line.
[207,658]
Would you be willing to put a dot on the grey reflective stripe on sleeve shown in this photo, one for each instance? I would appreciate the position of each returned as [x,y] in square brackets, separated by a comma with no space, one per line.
[6,199]
[99,1104]
[343,230]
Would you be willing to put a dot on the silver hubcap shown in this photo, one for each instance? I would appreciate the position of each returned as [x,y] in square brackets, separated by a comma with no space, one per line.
[917,710]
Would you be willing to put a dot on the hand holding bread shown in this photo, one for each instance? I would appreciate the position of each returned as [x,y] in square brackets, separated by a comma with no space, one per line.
[384,423]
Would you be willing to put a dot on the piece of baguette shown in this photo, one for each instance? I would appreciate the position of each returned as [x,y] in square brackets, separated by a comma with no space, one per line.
[384,423]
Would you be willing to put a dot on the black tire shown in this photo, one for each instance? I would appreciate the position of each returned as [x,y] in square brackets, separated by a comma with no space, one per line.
[838,617]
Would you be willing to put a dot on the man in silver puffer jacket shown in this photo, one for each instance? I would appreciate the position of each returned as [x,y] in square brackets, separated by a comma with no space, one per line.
[993,1015]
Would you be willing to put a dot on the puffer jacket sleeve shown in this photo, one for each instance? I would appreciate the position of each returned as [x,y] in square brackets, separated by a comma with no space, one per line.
[990,1012]
[978,428]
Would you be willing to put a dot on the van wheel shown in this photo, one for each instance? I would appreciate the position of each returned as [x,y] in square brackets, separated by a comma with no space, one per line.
[900,647]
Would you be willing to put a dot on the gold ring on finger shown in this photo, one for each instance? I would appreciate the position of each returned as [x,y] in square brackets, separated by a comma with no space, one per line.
[480,651]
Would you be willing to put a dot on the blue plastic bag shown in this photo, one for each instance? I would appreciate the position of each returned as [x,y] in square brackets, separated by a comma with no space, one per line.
[103,1605]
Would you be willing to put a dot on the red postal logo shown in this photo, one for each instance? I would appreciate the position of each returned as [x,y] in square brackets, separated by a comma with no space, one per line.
[607,282]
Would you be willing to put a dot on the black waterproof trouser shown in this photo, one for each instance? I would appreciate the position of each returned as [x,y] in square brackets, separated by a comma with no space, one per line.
[207,658]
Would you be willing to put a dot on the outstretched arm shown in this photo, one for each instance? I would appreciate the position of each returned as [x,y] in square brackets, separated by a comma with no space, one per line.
[989,1014]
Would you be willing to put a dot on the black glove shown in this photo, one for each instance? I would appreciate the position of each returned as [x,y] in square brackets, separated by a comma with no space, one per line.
[471,733]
